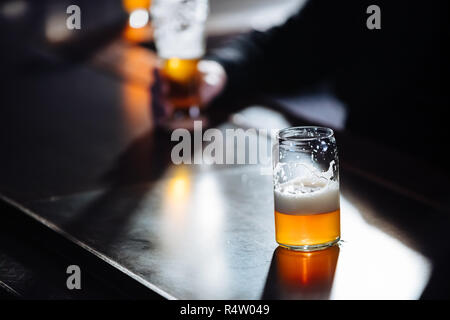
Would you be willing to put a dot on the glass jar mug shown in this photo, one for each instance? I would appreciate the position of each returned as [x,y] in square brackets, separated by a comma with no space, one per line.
[306,188]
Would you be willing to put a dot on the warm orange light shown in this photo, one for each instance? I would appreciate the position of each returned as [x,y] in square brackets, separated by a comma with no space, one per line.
[179,186]
[138,28]
[131,5]
[307,271]
[134,64]
[136,35]
[176,200]
[136,102]
[180,70]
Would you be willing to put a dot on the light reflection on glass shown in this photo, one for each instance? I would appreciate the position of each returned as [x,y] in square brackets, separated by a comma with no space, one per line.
[138,18]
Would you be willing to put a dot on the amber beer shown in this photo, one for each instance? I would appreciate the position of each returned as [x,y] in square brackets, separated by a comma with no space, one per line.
[306,230]
[183,80]
[307,218]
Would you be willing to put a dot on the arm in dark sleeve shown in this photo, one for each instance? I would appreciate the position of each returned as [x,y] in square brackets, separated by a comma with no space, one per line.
[305,49]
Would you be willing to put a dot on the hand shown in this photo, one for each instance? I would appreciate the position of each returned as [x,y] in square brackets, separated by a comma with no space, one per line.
[212,82]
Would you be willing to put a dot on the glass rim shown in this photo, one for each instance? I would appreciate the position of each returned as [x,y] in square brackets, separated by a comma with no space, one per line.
[321,133]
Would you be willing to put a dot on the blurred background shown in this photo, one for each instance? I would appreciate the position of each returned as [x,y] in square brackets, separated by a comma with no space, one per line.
[40,27]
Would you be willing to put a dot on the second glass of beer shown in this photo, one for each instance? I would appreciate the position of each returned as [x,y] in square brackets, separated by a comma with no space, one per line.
[306,188]
[179,27]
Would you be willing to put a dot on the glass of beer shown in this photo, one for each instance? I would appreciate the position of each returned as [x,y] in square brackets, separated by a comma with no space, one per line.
[306,188]
[179,28]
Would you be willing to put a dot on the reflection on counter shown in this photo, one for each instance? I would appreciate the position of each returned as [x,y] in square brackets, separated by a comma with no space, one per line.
[374,264]
[192,230]
[301,275]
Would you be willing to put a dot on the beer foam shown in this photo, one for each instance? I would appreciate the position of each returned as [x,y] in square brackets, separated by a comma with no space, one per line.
[307,196]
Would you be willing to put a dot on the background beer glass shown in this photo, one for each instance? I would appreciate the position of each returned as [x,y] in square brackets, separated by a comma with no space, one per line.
[179,28]
[306,188]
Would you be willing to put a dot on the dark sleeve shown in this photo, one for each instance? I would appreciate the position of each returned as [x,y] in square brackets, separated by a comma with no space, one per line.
[306,48]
